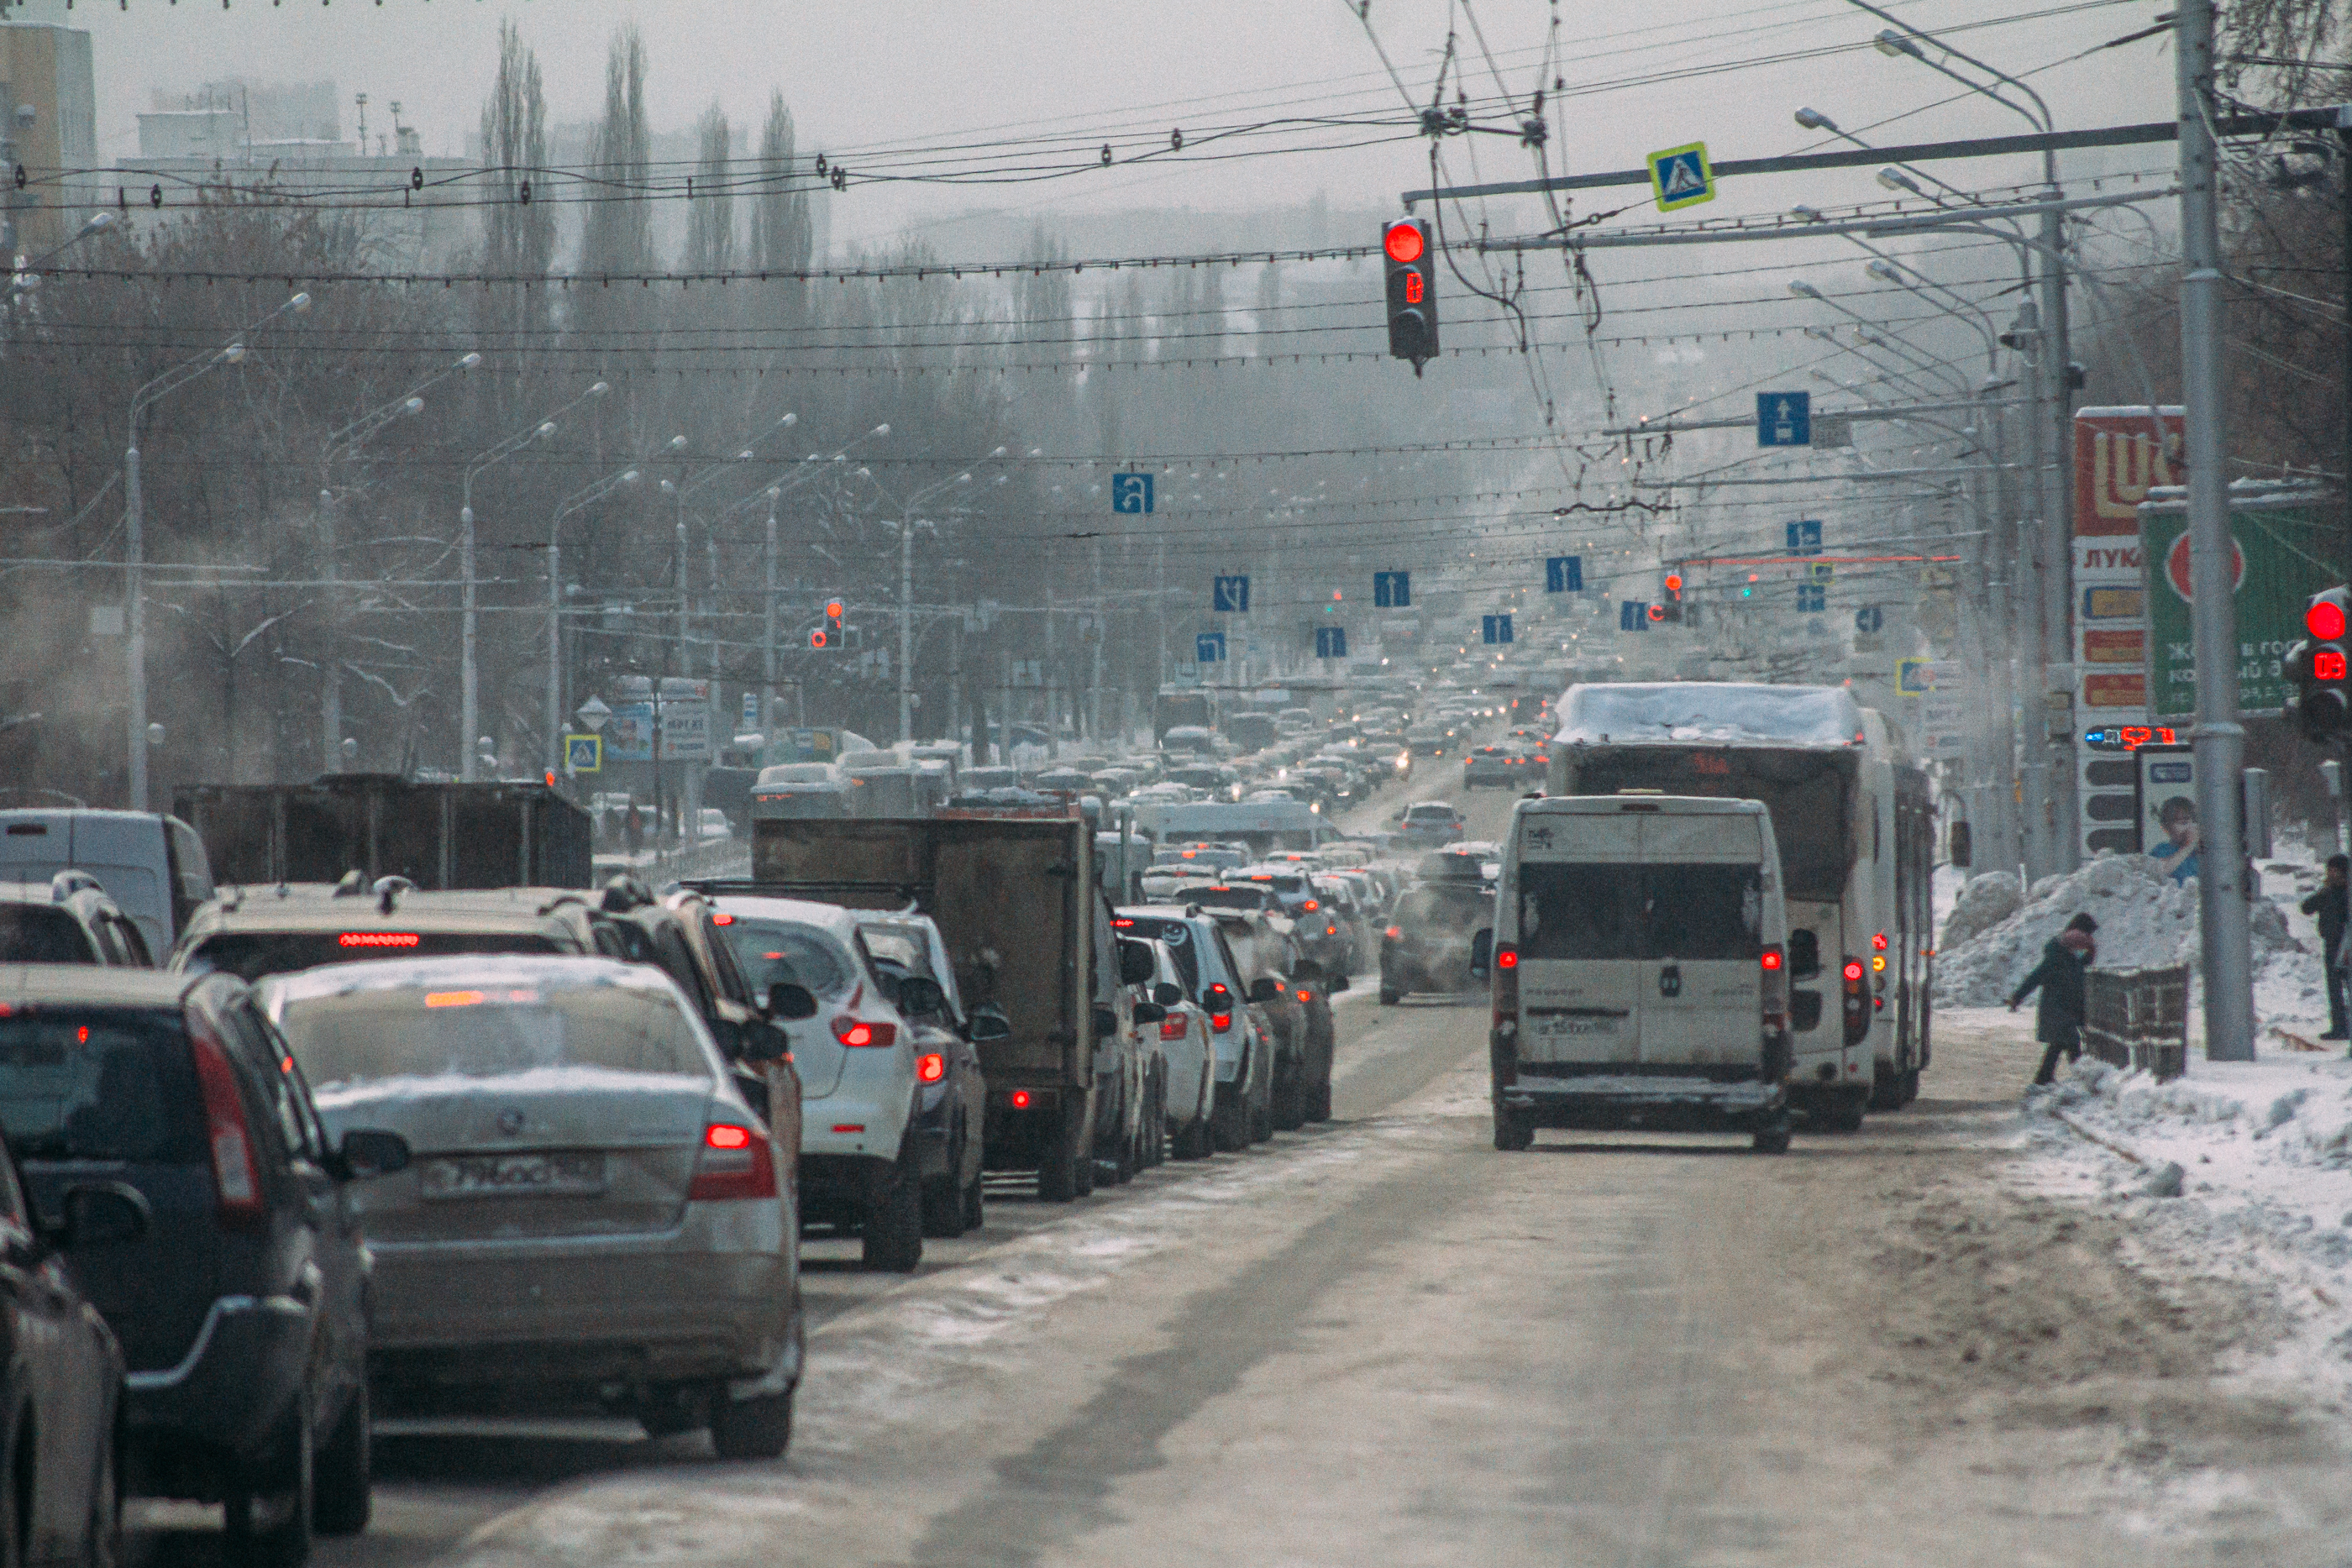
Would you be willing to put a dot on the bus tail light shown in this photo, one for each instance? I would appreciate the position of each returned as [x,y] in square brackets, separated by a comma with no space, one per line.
[1857,1009]
[1774,964]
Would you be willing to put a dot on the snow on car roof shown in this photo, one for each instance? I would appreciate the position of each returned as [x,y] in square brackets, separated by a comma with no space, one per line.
[1735,712]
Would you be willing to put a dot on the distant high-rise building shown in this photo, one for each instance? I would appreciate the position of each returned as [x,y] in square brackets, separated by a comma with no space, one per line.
[48,129]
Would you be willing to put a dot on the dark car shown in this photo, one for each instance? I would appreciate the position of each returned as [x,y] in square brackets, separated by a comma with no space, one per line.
[70,921]
[1501,766]
[242,1308]
[60,1373]
[1426,947]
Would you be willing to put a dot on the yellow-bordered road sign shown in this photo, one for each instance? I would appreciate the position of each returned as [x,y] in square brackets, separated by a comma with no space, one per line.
[1681,177]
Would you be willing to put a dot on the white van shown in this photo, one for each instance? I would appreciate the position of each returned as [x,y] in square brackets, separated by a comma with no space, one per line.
[1640,968]
[153,866]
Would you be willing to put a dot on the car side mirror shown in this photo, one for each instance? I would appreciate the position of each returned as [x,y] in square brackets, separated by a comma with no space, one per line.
[1804,955]
[365,1153]
[764,1042]
[921,994]
[1335,983]
[1481,953]
[99,1214]
[1106,1022]
[989,1023]
[1150,1012]
[1263,989]
[790,1002]
[1168,993]
[1135,962]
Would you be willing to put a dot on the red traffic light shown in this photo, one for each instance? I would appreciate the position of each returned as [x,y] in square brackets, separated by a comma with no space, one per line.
[1657,612]
[2327,665]
[1674,584]
[1404,242]
[817,639]
[2325,621]
[832,609]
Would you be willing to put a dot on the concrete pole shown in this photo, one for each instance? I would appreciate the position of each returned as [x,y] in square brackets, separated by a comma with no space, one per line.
[2057,507]
[468,699]
[905,628]
[2220,739]
[330,673]
[555,715]
[134,615]
[768,628]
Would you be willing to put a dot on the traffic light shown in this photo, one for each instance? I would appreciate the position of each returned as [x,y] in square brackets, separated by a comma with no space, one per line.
[828,634]
[2319,669]
[1411,264]
[1670,606]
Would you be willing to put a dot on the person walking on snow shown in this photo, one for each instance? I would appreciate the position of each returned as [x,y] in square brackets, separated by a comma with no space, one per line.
[2058,1016]
[2330,904]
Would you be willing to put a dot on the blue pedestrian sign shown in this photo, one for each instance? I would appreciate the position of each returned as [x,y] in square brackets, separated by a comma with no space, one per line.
[1130,492]
[1681,177]
[1632,615]
[1805,537]
[1209,647]
[1494,628]
[583,754]
[1230,595]
[1330,642]
[1784,419]
[1812,598]
[1391,590]
[1869,619]
[1564,574]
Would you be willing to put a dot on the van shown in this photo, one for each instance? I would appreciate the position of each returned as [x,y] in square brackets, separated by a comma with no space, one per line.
[1640,968]
[153,866]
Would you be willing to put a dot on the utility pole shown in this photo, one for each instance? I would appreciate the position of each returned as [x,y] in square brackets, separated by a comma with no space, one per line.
[2220,739]
[907,628]
[768,629]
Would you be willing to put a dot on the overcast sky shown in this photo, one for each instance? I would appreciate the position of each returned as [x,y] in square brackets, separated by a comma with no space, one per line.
[885,73]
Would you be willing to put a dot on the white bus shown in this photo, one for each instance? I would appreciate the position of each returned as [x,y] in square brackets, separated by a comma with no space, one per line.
[1856,833]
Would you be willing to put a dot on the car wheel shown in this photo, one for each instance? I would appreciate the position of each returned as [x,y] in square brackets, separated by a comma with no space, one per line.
[1286,1109]
[1513,1132]
[1261,1118]
[757,1428]
[1910,1085]
[273,1529]
[1319,1108]
[339,1489]
[1842,1112]
[893,1232]
[1772,1141]
[975,1207]
[1887,1091]
[102,1544]
[1155,1125]
[1229,1122]
[943,1208]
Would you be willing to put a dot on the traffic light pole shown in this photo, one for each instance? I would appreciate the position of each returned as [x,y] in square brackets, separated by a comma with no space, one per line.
[2220,739]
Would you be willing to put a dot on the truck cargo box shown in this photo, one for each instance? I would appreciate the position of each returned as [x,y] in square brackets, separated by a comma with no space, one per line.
[436,835]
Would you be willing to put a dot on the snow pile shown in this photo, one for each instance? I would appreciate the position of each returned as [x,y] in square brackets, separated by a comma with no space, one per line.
[1983,903]
[2144,920]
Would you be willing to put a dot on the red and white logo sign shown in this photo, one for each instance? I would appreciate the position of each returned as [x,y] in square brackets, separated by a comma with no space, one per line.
[2177,570]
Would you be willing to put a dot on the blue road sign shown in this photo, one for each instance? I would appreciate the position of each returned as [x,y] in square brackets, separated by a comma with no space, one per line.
[1130,492]
[1632,615]
[583,754]
[1330,642]
[1494,628]
[1230,595]
[1784,419]
[1209,647]
[1869,617]
[1805,537]
[1391,590]
[1680,177]
[1564,574]
[1811,599]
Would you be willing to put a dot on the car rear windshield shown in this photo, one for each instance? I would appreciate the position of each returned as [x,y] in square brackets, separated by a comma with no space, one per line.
[777,953]
[1465,907]
[99,1083]
[249,955]
[499,1030]
[42,934]
[1229,897]
[1647,911]
[1429,813]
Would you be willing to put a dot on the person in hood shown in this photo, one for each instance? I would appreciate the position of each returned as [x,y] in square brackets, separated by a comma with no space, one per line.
[2329,903]
[2058,1016]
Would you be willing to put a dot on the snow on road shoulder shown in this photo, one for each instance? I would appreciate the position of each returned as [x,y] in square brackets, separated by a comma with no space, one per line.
[2238,1170]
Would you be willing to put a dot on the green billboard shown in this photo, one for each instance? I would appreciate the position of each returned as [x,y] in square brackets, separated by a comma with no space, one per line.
[2289,540]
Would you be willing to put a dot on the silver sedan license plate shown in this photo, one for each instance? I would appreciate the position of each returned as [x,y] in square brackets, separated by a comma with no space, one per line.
[513,1175]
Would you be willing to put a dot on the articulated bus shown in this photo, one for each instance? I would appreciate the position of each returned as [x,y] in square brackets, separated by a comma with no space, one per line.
[1856,832]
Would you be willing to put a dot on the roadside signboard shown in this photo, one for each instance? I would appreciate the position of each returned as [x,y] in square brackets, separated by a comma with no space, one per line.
[1784,419]
[1564,574]
[2288,544]
[583,754]
[1681,177]
[1131,493]
[1229,595]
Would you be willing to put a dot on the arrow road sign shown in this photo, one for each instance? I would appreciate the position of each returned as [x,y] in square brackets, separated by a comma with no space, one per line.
[1494,628]
[1811,599]
[1869,619]
[1632,615]
[1564,574]
[1805,537]
[1230,595]
[1330,642]
[1130,492]
[1391,590]
[1681,177]
[1208,647]
[1784,419]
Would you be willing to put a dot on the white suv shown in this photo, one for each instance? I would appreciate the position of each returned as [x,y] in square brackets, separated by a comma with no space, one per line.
[856,1057]
[1242,1097]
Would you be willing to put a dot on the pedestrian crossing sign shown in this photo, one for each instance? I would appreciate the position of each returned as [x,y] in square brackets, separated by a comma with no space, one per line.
[1681,177]
[583,754]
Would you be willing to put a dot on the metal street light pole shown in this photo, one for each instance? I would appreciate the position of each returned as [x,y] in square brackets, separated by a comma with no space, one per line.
[135,537]
[583,498]
[468,676]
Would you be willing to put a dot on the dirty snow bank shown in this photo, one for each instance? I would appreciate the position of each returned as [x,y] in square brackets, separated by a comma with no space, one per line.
[2240,1169]
[2145,919]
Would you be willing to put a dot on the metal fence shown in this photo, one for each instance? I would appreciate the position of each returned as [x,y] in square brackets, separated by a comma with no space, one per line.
[2138,1018]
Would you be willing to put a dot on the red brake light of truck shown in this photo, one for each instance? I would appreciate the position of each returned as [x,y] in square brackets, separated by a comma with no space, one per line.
[1306,996]
[1311,907]
[1507,958]
[931,1067]
[1772,959]
[1021,1099]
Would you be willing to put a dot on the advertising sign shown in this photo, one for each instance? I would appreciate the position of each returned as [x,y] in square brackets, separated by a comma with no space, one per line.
[2287,544]
[2117,460]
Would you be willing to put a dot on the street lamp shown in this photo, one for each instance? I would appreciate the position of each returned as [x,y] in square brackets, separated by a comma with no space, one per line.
[583,498]
[135,537]
[26,277]
[468,675]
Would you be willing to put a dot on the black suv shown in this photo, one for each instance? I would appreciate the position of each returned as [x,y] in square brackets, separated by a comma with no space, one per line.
[241,1304]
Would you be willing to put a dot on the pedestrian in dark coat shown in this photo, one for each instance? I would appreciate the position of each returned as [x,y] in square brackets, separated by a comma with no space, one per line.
[2058,1016]
[2330,904]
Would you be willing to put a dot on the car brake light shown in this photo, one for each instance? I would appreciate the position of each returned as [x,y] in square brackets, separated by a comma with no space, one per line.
[856,1032]
[1394,933]
[1507,958]
[1306,996]
[1021,1099]
[734,1164]
[234,1175]
[1123,922]
[1311,907]
[1772,958]
[1221,1022]
[1217,989]
[931,1067]
[377,939]
[1173,1027]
